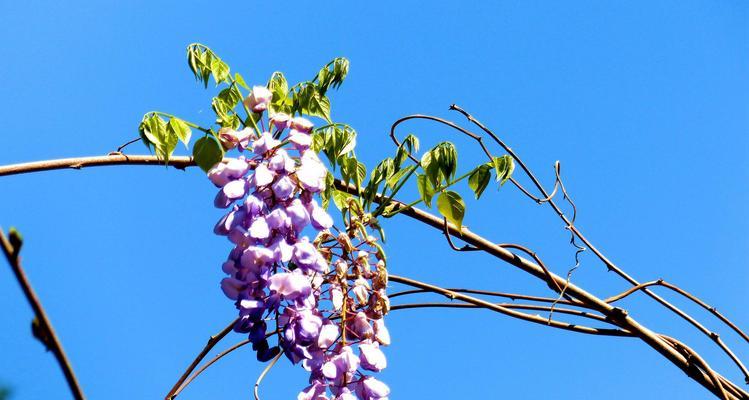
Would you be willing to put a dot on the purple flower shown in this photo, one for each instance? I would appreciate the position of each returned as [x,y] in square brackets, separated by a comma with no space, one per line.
[328,335]
[282,250]
[319,217]
[372,389]
[360,326]
[258,99]
[251,307]
[381,332]
[236,167]
[218,175]
[300,140]
[264,143]
[289,285]
[283,188]
[281,162]
[315,391]
[278,219]
[262,176]
[307,257]
[229,221]
[372,358]
[345,362]
[232,287]
[259,229]
[312,172]
[299,215]
[256,256]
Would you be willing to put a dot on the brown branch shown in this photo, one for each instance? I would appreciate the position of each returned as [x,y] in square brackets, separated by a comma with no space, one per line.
[212,341]
[512,296]
[208,364]
[48,336]
[505,310]
[534,307]
[693,298]
[615,315]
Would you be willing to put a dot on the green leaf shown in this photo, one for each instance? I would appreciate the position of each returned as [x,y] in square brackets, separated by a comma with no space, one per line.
[426,190]
[326,194]
[168,143]
[154,130]
[207,152]
[451,206]
[410,145]
[448,159]
[431,168]
[382,171]
[319,106]
[396,177]
[240,81]
[219,70]
[479,179]
[353,170]
[503,166]
[340,199]
[332,74]
[281,102]
[180,128]
[224,113]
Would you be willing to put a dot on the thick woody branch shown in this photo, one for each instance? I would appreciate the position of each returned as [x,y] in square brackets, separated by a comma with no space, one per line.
[47,333]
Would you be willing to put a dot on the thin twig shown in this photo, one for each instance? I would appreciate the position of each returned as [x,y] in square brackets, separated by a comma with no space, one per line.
[262,375]
[50,341]
[693,298]
[507,311]
[119,149]
[516,306]
[212,341]
[512,296]
[208,364]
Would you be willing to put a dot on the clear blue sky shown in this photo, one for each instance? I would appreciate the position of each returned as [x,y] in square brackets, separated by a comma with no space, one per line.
[645,104]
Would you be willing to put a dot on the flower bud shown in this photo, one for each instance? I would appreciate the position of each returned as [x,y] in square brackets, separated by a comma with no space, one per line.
[259,99]
[301,124]
[281,121]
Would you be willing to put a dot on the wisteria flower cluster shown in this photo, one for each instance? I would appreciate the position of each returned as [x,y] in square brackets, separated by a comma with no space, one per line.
[316,291]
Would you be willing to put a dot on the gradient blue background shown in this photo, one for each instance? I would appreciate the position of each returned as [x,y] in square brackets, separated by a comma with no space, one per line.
[645,103]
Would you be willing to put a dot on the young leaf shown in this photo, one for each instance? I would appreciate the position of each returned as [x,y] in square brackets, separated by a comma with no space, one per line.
[219,70]
[479,179]
[503,166]
[426,190]
[410,145]
[340,199]
[448,160]
[396,177]
[451,206]
[240,81]
[207,152]
[180,128]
